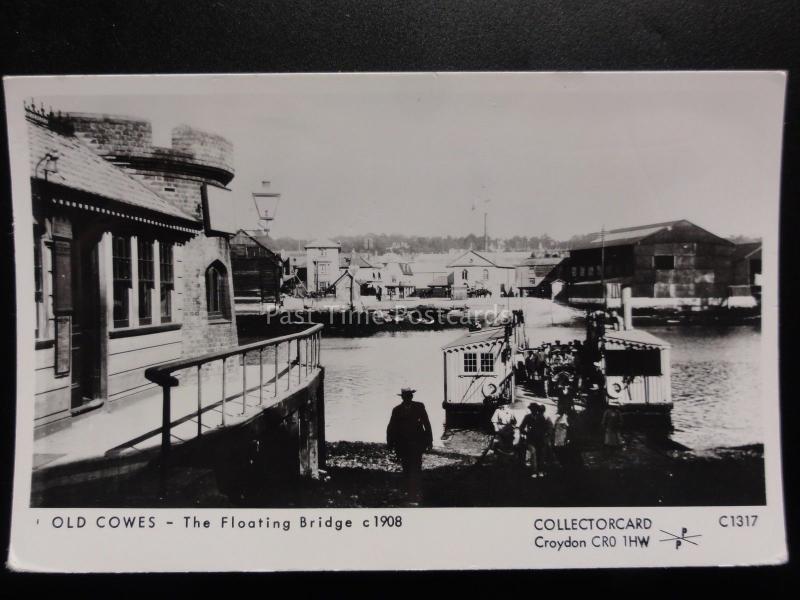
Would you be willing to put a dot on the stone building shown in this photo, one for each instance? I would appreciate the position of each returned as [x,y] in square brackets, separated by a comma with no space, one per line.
[130,271]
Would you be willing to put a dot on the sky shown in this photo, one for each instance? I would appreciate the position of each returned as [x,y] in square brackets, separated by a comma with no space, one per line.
[427,154]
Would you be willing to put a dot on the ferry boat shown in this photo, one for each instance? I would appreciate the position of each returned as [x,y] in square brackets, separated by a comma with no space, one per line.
[614,366]
[479,369]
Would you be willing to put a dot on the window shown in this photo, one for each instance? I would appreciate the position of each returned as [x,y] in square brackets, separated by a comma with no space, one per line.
[630,363]
[590,271]
[487,362]
[217,291]
[583,271]
[167,273]
[323,268]
[574,271]
[146,280]
[486,274]
[470,362]
[38,280]
[464,274]
[663,262]
[121,260]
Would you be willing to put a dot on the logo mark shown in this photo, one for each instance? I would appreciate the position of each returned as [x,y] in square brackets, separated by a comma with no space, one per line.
[681,538]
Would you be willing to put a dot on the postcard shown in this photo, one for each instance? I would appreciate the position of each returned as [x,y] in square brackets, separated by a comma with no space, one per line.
[396,321]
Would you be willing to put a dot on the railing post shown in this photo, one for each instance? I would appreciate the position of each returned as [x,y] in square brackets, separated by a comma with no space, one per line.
[199,400]
[261,376]
[224,360]
[277,347]
[299,368]
[244,382]
[289,365]
[319,348]
[307,346]
[166,420]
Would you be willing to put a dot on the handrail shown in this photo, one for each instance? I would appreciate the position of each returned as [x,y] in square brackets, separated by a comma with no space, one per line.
[163,375]
[162,372]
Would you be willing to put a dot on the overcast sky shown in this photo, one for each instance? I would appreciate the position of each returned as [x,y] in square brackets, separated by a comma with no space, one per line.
[559,154]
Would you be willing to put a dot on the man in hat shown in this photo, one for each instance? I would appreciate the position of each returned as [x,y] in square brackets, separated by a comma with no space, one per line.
[409,434]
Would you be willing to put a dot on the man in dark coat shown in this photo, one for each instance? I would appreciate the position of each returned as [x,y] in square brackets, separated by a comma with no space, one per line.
[409,434]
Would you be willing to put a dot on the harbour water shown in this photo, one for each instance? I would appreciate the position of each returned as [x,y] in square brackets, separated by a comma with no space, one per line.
[715,381]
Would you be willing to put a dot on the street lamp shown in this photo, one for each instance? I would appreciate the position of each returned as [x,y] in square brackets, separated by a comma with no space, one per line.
[266,204]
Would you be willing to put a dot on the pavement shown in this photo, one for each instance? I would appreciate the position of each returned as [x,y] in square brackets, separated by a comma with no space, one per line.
[95,433]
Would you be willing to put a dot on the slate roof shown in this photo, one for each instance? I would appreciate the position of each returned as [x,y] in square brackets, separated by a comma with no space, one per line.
[625,235]
[461,262]
[79,168]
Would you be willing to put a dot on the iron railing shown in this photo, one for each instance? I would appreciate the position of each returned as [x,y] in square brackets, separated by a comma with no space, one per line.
[164,375]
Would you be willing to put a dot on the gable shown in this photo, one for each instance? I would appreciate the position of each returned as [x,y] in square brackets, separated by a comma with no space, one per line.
[471,259]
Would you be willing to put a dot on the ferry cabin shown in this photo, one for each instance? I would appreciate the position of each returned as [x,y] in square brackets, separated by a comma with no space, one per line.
[636,365]
[478,368]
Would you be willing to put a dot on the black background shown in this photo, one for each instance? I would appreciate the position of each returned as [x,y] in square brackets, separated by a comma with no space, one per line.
[155,36]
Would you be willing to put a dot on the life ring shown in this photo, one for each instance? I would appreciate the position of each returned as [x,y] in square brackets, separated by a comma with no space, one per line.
[614,390]
[489,389]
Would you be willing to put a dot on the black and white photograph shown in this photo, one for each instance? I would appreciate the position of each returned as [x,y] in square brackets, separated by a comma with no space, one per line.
[398,291]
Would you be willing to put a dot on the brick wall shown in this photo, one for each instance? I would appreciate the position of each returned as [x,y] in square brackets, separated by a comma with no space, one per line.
[176,174]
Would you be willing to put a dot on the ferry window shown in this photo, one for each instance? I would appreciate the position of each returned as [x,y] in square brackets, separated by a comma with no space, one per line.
[574,271]
[167,273]
[590,271]
[146,280]
[487,362]
[633,362]
[470,362]
[217,291]
[583,271]
[121,261]
[663,262]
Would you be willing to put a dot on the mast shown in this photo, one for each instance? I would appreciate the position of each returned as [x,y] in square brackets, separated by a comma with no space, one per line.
[485,233]
[603,265]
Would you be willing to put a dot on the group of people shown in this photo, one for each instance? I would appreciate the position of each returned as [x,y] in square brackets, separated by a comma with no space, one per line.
[535,440]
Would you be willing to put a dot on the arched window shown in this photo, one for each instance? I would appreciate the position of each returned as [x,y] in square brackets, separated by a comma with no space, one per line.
[486,274]
[217,295]
[464,274]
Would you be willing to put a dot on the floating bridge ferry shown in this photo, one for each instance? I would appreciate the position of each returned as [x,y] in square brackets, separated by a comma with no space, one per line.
[615,366]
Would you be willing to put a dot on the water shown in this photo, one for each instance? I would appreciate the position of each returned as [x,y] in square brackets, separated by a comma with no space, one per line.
[715,381]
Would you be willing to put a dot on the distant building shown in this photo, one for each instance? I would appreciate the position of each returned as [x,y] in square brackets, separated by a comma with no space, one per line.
[671,264]
[396,278]
[322,265]
[532,276]
[129,271]
[257,272]
[746,284]
[366,275]
[475,271]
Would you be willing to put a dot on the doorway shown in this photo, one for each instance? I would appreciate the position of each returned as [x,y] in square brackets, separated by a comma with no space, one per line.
[86,350]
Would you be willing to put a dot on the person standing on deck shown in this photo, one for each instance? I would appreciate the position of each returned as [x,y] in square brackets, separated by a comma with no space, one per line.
[409,434]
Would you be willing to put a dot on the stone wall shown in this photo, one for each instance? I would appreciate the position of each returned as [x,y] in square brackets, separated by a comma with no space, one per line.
[177,174]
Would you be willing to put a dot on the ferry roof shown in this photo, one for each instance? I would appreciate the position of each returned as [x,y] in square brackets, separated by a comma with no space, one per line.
[480,336]
[635,337]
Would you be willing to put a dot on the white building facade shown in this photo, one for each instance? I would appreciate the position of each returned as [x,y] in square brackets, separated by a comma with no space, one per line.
[322,265]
